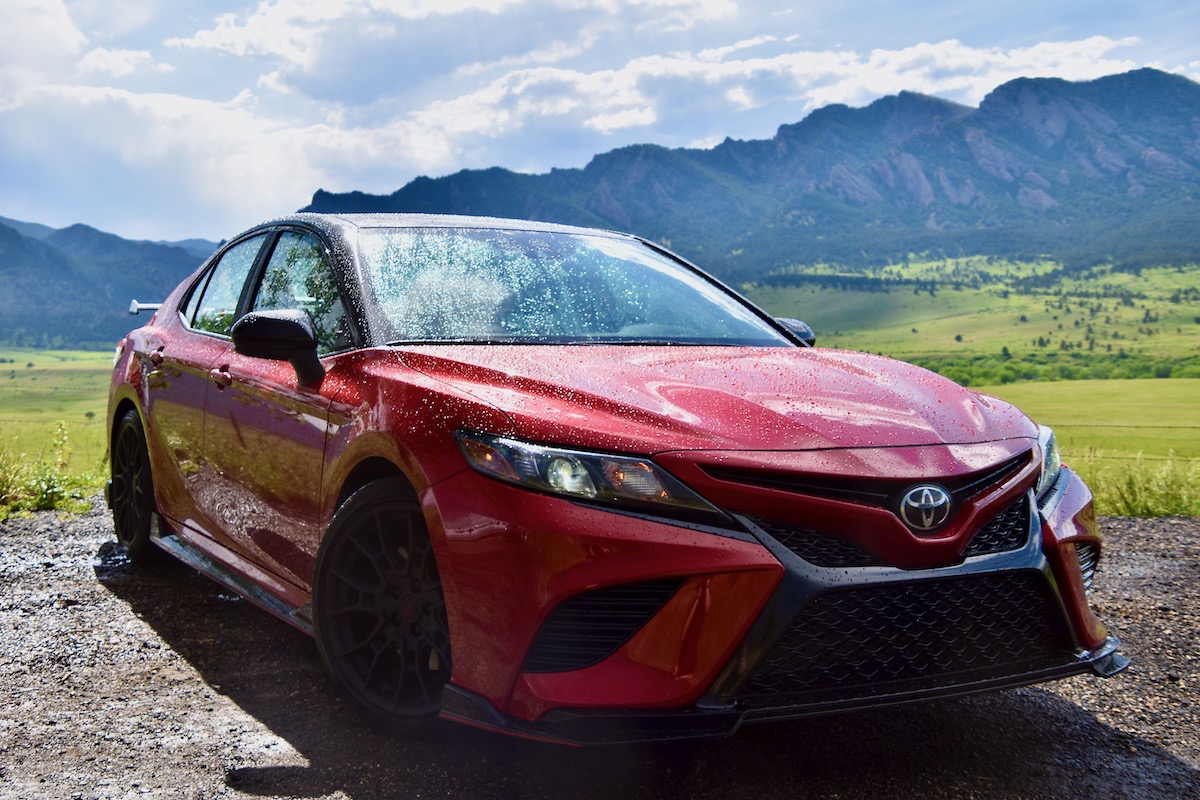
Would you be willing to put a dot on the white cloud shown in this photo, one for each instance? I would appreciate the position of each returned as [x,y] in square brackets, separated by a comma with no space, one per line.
[955,71]
[104,19]
[551,53]
[683,15]
[119,63]
[38,34]
[293,30]
[741,98]
[720,53]
[197,158]
[274,81]
[626,118]
[39,41]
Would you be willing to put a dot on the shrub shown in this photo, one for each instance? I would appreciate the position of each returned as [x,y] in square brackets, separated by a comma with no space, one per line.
[10,477]
[44,484]
[1142,487]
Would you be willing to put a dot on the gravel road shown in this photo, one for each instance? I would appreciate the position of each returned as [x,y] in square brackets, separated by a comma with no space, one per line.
[122,682]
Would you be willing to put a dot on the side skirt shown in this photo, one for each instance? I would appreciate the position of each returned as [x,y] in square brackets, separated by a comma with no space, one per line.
[300,618]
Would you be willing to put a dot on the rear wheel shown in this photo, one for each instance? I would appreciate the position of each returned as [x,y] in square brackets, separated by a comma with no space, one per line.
[131,495]
[379,614]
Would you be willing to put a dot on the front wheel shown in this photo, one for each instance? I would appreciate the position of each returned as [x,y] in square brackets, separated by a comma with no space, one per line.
[378,610]
[131,493]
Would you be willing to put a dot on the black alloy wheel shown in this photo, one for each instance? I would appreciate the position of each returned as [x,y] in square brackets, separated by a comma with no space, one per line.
[131,494]
[379,614]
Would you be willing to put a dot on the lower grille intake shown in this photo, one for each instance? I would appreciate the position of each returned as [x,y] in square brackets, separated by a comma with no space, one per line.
[878,640]
[588,628]
[1089,559]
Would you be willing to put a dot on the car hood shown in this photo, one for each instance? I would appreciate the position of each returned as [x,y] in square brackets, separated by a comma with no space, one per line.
[654,399]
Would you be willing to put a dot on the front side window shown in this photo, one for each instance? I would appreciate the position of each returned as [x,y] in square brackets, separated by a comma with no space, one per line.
[437,285]
[299,277]
[221,290]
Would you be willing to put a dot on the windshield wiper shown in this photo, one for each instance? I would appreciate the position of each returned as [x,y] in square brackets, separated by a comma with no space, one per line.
[460,340]
[650,342]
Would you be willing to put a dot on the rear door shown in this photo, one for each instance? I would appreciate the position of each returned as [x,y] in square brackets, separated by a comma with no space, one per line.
[178,378]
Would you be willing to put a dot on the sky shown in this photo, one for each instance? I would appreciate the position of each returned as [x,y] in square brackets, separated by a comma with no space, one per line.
[152,122]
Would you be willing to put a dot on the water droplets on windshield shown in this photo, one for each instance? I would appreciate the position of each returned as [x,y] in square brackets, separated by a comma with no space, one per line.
[432,285]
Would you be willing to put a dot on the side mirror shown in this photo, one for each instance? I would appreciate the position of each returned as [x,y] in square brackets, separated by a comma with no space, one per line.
[135,307]
[799,329]
[283,335]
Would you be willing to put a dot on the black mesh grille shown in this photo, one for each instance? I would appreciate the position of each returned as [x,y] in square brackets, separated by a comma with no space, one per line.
[869,641]
[1008,530]
[1089,559]
[588,628]
[815,547]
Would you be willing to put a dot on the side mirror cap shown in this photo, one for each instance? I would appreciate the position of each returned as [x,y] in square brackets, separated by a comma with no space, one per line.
[799,329]
[282,335]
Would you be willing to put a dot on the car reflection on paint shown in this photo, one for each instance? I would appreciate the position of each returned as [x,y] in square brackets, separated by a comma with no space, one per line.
[557,482]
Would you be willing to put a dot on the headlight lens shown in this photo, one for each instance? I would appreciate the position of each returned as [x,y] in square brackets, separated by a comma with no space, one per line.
[599,477]
[1051,460]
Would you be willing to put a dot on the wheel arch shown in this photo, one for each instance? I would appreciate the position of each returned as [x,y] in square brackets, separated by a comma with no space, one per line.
[377,467]
[123,407]
[372,469]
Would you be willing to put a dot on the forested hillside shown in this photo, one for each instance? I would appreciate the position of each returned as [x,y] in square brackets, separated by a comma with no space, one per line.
[72,287]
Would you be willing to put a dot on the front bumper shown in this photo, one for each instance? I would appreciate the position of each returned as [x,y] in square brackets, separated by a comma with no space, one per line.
[837,638]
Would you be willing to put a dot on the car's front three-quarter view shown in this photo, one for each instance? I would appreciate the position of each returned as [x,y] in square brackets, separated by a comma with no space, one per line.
[558,482]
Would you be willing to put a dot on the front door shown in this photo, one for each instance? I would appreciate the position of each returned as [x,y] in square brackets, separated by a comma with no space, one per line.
[265,434]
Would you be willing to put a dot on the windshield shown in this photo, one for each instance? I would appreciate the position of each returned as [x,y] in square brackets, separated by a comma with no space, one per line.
[443,284]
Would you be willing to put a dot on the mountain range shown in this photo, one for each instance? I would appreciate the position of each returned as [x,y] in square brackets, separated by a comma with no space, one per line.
[71,287]
[1098,172]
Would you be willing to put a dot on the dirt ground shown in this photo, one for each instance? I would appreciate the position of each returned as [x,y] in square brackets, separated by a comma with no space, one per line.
[123,682]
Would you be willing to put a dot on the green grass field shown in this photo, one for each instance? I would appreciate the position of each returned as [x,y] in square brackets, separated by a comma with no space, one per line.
[1109,430]
[39,389]
[980,309]
[1154,418]
[1136,442]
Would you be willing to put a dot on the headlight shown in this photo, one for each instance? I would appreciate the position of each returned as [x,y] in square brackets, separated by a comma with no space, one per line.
[1051,460]
[604,478]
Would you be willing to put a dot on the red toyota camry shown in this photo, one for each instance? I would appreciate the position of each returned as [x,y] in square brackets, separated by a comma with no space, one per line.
[560,483]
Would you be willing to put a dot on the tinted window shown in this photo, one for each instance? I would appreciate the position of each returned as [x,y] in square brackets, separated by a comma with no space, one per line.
[521,286]
[216,311]
[299,277]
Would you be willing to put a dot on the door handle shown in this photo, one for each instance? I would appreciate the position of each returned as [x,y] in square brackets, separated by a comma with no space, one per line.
[220,376]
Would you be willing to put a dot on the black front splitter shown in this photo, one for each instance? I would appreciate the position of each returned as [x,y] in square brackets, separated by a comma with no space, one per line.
[711,719]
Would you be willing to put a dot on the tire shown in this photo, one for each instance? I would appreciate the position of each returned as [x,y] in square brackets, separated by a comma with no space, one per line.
[379,614]
[131,495]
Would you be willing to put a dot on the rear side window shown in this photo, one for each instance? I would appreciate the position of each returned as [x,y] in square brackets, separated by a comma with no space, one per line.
[216,309]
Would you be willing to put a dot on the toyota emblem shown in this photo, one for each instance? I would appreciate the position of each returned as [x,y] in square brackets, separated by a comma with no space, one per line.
[925,508]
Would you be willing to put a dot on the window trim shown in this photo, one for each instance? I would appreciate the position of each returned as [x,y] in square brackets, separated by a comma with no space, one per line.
[258,272]
[343,276]
[201,284]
